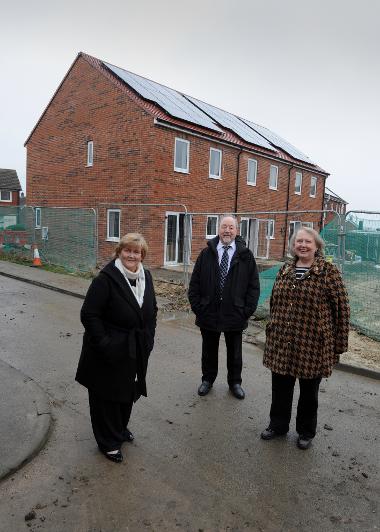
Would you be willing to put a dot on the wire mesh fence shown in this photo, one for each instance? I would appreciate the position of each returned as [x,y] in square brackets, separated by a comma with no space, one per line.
[361,270]
[65,237]
[82,239]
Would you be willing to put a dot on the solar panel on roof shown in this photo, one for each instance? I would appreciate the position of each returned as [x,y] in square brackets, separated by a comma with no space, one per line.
[233,123]
[170,100]
[278,141]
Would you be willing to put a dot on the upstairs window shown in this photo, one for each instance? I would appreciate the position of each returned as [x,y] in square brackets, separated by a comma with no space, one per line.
[273,177]
[113,225]
[5,195]
[90,153]
[313,186]
[252,172]
[37,217]
[211,226]
[298,183]
[215,163]
[181,155]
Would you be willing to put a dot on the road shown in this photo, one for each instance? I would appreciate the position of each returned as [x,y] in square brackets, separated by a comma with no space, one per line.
[196,463]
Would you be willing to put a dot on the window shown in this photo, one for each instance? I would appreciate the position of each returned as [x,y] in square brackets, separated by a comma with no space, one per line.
[5,195]
[113,225]
[313,186]
[90,153]
[181,155]
[37,217]
[273,177]
[244,229]
[215,163]
[270,229]
[298,183]
[252,172]
[211,226]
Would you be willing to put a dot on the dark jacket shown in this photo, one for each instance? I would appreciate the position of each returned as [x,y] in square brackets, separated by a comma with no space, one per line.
[230,310]
[309,321]
[118,338]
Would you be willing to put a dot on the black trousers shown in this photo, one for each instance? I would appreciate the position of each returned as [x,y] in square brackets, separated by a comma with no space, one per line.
[210,348]
[281,408]
[109,420]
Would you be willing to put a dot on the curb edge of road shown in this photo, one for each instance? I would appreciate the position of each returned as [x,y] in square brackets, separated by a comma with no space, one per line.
[41,425]
[43,285]
[341,366]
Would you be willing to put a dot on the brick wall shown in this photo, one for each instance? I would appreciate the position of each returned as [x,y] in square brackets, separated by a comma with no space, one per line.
[134,162]
[15,200]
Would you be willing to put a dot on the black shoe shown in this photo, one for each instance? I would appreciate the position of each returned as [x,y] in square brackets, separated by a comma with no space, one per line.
[304,442]
[114,457]
[237,391]
[204,388]
[269,434]
[128,436]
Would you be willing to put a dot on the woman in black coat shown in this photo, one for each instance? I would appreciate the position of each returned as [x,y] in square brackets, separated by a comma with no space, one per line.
[119,316]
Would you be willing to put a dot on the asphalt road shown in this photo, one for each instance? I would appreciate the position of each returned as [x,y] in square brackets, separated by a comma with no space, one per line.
[196,463]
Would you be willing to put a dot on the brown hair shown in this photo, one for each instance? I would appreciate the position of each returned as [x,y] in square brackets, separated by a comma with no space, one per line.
[135,240]
[319,242]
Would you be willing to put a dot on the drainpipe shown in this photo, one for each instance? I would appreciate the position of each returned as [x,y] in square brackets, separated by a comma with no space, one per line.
[237,180]
[287,208]
[321,224]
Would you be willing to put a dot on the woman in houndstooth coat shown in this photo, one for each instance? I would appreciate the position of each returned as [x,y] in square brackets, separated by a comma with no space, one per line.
[307,331]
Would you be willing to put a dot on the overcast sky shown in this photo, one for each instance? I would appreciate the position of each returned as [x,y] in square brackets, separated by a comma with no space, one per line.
[308,70]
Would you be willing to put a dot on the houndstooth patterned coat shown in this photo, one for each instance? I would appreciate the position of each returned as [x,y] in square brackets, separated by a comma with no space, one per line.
[309,321]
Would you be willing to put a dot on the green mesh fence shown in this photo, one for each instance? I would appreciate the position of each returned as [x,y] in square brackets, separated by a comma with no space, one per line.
[361,271]
[64,237]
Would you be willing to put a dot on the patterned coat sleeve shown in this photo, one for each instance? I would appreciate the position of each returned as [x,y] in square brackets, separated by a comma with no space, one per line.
[338,298]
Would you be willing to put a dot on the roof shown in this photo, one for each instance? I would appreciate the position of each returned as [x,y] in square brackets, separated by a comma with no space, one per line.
[9,180]
[174,108]
[331,195]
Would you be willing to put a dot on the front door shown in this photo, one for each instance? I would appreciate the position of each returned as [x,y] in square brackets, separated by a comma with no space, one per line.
[255,233]
[175,238]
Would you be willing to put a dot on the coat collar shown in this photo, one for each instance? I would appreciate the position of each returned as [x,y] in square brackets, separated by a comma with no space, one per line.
[317,268]
[117,277]
[241,249]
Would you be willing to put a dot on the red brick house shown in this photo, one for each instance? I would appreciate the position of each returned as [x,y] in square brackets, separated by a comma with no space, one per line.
[335,203]
[9,188]
[109,137]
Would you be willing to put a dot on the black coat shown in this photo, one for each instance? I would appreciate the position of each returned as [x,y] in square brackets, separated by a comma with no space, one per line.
[230,310]
[118,338]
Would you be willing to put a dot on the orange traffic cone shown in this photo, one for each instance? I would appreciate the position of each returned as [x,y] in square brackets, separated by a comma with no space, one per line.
[36,256]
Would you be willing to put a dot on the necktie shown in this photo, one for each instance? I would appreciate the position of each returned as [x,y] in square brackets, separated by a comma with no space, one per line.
[224,267]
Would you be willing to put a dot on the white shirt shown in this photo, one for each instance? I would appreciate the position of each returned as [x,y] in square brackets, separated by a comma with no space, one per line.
[231,251]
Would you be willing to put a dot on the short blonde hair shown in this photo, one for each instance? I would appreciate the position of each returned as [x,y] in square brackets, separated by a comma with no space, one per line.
[135,240]
[319,242]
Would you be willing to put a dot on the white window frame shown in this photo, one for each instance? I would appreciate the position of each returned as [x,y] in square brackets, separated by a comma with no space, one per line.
[90,153]
[270,177]
[298,185]
[212,235]
[111,238]
[213,176]
[313,180]
[177,168]
[252,163]
[37,218]
[10,196]
[270,231]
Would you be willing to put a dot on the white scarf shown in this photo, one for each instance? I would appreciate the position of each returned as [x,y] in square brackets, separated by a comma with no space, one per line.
[139,275]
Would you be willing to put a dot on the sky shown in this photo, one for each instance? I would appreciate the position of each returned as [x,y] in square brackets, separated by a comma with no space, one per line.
[307,70]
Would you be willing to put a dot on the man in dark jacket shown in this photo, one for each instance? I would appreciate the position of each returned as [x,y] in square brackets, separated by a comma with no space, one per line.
[223,293]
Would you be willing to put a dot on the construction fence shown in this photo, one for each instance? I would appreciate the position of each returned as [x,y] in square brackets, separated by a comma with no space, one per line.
[85,239]
[64,237]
